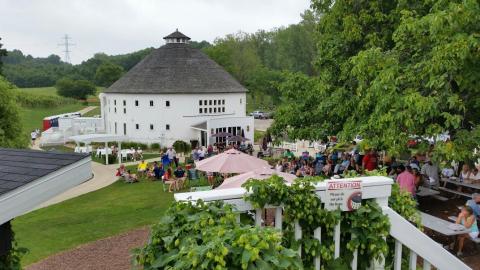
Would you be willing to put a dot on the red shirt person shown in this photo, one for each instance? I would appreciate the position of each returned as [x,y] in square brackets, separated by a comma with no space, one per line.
[370,161]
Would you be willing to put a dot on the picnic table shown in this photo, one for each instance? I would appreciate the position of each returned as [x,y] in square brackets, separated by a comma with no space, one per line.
[457,183]
[440,225]
[424,192]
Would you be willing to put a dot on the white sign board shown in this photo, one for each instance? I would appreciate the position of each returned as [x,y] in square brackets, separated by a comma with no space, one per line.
[345,195]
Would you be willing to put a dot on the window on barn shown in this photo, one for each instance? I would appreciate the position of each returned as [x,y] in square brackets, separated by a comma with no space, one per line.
[136,103]
[167,103]
[167,127]
[151,103]
[151,126]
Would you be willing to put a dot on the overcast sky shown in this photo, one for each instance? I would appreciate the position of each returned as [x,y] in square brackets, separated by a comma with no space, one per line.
[122,26]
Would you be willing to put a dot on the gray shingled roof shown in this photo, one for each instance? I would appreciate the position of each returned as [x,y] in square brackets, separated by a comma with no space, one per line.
[176,68]
[19,167]
[176,34]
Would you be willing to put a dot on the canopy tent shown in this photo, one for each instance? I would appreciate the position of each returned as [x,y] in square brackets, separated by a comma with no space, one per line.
[231,161]
[263,173]
[102,138]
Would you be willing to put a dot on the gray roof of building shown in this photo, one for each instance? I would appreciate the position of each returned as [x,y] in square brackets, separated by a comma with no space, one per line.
[176,68]
[176,34]
[19,167]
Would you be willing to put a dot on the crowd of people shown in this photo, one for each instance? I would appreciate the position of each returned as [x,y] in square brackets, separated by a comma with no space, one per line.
[328,163]
[166,170]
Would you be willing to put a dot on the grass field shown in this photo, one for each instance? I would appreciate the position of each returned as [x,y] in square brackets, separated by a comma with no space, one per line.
[48,91]
[99,214]
[32,117]
[52,91]
[93,112]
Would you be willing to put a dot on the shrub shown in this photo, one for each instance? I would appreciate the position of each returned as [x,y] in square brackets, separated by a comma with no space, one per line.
[155,146]
[182,147]
[207,236]
[78,89]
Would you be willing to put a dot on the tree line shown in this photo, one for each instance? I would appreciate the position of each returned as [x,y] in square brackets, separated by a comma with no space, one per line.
[257,60]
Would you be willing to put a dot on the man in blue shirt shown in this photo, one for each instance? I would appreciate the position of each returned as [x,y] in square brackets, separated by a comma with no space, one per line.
[474,203]
[158,170]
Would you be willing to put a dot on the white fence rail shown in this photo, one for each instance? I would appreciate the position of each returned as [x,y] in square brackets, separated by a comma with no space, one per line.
[375,187]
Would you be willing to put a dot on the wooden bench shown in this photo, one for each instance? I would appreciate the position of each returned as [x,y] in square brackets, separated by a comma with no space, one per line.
[440,225]
[424,192]
[455,192]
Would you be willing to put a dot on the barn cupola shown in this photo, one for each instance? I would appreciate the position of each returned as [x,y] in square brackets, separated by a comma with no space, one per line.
[176,37]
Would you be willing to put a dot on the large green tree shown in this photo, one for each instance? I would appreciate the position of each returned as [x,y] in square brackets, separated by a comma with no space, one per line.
[3,53]
[107,73]
[11,132]
[389,70]
[79,89]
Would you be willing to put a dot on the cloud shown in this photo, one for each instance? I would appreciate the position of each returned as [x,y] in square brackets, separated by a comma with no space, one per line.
[121,26]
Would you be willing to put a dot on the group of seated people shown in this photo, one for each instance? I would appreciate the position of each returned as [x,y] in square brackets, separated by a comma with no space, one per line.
[155,172]
[327,163]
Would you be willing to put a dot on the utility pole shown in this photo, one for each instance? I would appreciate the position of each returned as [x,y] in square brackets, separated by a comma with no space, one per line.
[67,44]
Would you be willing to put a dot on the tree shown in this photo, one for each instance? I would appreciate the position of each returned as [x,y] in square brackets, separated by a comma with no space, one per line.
[78,89]
[107,74]
[389,70]
[11,132]
[3,53]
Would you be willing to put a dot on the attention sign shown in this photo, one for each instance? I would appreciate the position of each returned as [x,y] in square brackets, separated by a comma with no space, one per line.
[345,195]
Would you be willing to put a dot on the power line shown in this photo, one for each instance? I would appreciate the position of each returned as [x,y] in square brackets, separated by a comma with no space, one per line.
[67,44]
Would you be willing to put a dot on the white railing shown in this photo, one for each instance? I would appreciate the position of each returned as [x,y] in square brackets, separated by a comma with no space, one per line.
[375,187]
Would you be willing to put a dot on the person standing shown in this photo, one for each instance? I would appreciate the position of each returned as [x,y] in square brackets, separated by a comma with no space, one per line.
[33,136]
[406,180]
[431,173]
[172,156]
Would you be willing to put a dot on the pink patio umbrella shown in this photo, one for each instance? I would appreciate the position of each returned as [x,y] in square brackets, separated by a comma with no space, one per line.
[263,173]
[231,161]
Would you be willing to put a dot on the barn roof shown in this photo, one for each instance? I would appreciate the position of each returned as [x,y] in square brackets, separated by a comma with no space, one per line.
[177,34]
[176,68]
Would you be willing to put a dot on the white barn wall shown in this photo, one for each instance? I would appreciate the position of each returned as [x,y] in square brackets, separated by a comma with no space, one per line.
[181,115]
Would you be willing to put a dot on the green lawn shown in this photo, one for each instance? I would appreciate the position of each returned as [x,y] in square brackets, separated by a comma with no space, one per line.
[49,91]
[93,112]
[109,211]
[32,117]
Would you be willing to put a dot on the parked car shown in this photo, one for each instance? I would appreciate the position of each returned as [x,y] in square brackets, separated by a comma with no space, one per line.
[260,115]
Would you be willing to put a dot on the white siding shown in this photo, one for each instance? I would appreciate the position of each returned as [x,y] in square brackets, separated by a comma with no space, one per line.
[182,113]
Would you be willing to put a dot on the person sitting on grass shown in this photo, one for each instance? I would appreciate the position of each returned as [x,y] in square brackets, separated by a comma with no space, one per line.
[167,180]
[121,171]
[467,219]
[142,168]
[158,170]
[150,173]
[130,177]
[179,176]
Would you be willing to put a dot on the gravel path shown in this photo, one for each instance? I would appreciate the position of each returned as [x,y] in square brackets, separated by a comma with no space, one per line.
[113,253]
